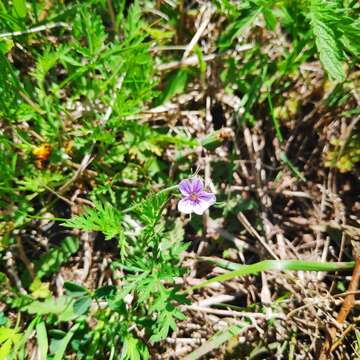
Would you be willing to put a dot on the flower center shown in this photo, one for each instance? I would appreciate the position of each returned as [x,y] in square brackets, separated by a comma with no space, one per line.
[194,196]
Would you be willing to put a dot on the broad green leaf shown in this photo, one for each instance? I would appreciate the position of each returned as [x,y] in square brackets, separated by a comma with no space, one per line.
[82,305]
[6,45]
[62,307]
[74,290]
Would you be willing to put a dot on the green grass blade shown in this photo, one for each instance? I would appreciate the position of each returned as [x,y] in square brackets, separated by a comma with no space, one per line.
[291,166]
[64,343]
[292,265]
[217,340]
[275,121]
[42,340]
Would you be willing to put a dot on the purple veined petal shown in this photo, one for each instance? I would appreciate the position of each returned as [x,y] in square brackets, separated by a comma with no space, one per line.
[208,197]
[197,185]
[185,206]
[200,207]
[185,187]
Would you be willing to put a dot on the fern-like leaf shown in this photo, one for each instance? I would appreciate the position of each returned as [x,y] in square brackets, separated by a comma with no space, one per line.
[103,218]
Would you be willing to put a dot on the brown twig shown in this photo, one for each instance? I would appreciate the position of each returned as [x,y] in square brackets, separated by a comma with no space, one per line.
[347,305]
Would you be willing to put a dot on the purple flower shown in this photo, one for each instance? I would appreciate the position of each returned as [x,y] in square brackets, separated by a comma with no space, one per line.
[194,198]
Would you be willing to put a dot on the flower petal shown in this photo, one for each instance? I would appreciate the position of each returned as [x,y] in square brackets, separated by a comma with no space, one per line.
[208,197]
[185,187]
[186,206]
[197,185]
[200,207]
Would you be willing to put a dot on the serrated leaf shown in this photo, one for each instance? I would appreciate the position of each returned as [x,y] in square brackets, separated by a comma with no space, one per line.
[149,210]
[104,218]
[328,50]
[322,15]
[62,307]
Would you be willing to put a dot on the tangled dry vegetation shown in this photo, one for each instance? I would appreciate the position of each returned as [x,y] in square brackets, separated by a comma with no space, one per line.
[311,216]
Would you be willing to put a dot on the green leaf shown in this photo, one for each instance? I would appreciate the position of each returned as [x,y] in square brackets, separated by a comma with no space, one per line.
[176,84]
[52,261]
[82,305]
[56,306]
[293,265]
[104,218]
[215,342]
[6,333]
[64,343]
[6,45]
[322,15]
[236,27]
[5,349]
[39,290]
[42,340]
[133,21]
[269,17]
[291,166]
[149,210]
[105,291]
[20,8]
[134,349]
[88,24]
[74,289]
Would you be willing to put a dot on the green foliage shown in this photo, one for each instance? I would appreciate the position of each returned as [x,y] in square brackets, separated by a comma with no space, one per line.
[243,18]
[175,85]
[42,340]
[292,265]
[104,218]
[52,261]
[82,79]
[324,18]
[345,154]
[9,338]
